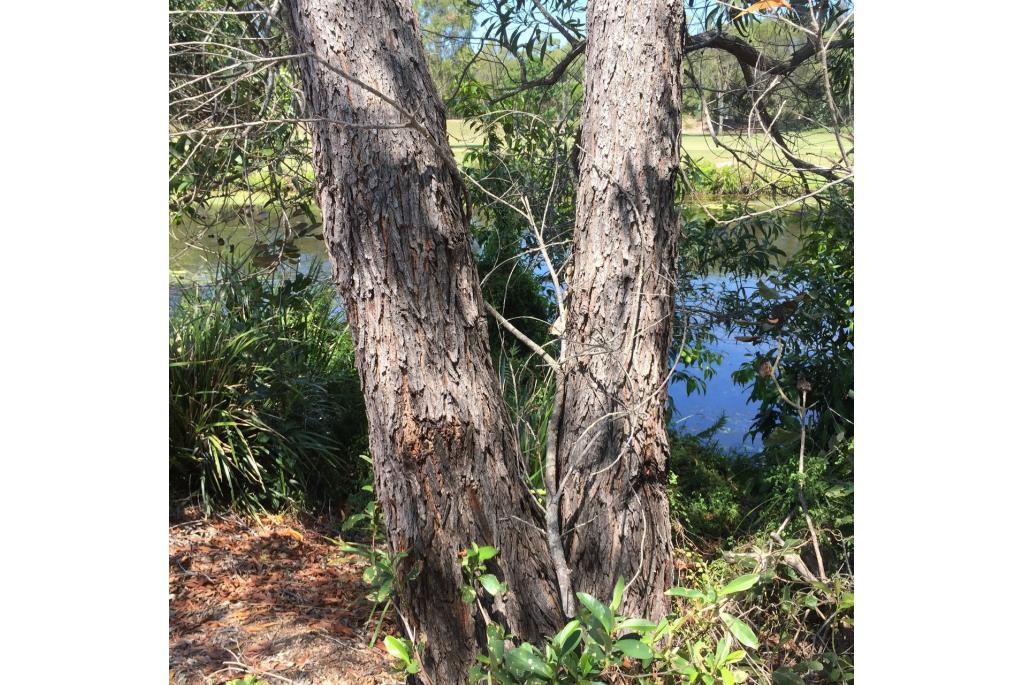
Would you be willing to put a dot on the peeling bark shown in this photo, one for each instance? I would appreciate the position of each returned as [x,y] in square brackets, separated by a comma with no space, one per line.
[613,448]
[446,461]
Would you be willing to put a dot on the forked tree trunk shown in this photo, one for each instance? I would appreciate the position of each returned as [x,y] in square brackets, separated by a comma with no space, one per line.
[446,462]
[613,447]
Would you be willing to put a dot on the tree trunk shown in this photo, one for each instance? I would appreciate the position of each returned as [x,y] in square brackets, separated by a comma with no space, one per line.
[613,447]
[447,465]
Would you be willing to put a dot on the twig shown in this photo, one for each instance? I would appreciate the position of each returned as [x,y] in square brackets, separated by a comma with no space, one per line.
[800,494]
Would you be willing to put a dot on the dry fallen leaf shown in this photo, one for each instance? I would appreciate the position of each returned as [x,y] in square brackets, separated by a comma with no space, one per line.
[292,533]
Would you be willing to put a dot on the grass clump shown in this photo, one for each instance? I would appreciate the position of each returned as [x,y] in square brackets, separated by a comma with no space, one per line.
[265,406]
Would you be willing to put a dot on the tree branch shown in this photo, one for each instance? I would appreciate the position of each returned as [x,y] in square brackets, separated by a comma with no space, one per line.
[553,76]
[554,22]
[749,55]
[734,45]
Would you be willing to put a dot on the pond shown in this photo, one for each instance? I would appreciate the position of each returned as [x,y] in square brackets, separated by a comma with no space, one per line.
[190,260]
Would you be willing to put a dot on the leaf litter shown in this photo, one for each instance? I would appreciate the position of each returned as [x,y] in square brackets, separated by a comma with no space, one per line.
[274,599]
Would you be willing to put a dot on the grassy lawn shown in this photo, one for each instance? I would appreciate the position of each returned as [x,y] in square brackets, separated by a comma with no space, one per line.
[813,145]
[818,145]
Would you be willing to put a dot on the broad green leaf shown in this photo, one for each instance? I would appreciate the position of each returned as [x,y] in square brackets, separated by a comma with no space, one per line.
[492,584]
[740,630]
[727,677]
[468,594]
[599,610]
[637,625]
[568,637]
[526,660]
[635,649]
[495,644]
[846,600]
[485,553]
[620,587]
[740,584]
[396,648]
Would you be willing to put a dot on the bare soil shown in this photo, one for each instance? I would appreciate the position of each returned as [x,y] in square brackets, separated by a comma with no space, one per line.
[275,599]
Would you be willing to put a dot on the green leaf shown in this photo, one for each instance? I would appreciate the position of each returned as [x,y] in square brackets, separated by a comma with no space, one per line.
[599,610]
[811,666]
[846,600]
[780,436]
[485,553]
[686,592]
[495,644]
[740,630]
[397,648]
[468,594]
[635,649]
[786,676]
[723,645]
[727,676]
[740,584]
[492,584]
[568,637]
[620,587]
[637,625]
[526,660]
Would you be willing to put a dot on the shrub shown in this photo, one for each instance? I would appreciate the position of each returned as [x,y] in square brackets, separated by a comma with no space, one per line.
[265,404]
[708,486]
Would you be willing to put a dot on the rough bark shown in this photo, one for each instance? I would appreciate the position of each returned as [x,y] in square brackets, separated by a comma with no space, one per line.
[613,444]
[446,462]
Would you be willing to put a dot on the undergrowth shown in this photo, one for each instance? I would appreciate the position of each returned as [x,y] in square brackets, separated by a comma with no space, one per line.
[266,411]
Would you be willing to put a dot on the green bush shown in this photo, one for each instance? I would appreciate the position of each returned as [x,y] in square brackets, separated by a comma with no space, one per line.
[265,405]
[708,487]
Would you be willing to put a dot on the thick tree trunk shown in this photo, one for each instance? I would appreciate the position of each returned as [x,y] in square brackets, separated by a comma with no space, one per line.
[446,462]
[613,444]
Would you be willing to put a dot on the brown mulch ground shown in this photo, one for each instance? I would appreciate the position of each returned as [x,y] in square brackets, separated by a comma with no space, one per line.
[275,599]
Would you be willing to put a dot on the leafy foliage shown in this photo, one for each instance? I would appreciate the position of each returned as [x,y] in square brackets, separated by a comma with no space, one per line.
[807,308]
[265,406]
[601,646]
